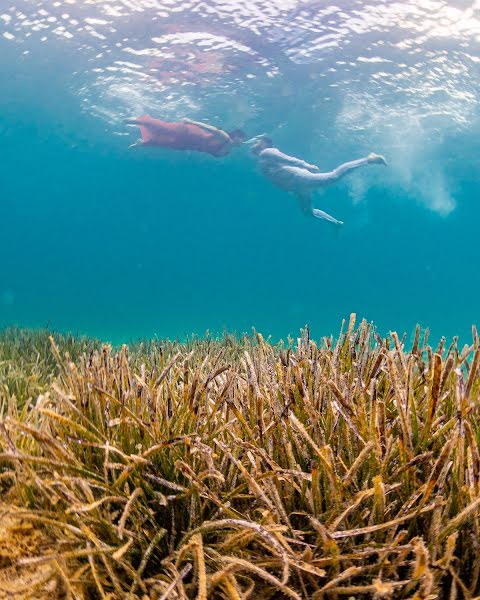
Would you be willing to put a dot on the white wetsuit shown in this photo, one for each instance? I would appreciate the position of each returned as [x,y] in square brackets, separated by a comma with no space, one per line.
[301,178]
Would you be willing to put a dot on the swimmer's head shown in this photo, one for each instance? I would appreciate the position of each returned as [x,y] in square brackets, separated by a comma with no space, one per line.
[260,143]
[238,136]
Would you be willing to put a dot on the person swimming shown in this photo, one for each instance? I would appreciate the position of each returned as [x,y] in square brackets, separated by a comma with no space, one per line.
[301,178]
[186,135]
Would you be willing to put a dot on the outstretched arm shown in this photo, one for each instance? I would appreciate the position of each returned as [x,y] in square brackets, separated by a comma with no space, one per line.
[207,127]
[275,156]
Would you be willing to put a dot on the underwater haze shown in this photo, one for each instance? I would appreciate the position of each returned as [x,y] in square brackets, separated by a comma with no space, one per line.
[125,243]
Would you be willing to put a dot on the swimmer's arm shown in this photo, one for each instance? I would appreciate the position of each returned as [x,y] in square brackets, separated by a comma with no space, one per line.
[275,156]
[207,127]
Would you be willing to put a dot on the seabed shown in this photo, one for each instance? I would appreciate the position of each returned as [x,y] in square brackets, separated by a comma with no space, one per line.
[234,468]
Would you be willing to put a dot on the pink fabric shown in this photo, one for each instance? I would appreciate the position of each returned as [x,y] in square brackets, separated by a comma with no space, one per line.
[180,136]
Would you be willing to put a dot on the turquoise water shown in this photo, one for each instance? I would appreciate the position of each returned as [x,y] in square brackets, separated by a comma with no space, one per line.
[121,244]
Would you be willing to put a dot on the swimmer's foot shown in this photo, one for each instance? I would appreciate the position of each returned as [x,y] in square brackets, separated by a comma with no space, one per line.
[377,159]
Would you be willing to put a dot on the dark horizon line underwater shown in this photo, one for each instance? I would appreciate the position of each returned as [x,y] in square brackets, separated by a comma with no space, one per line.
[420,335]
[123,246]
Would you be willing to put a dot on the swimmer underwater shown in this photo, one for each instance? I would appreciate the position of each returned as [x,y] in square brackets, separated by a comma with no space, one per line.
[286,172]
[186,135]
[301,178]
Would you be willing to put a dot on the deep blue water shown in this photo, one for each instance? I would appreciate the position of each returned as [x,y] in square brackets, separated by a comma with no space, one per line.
[121,244]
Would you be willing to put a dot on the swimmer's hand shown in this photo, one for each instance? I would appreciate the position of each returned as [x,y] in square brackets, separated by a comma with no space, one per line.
[376,159]
[313,168]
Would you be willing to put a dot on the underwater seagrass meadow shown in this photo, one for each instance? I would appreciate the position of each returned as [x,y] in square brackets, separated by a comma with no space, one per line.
[209,388]
[234,468]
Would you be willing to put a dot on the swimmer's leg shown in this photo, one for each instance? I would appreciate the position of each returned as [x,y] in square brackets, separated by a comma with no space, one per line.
[151,129]
[320,214]
[348,167]
[307,179]
[148,123]
[305,201]
[139,142]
